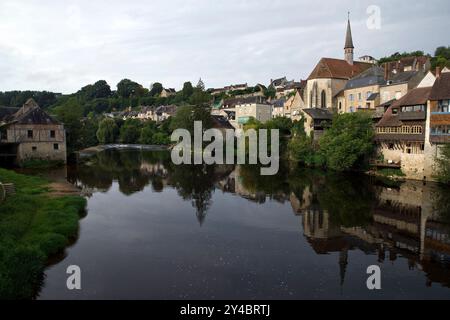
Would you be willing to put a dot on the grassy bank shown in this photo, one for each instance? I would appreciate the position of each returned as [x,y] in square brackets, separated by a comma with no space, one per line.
[33,225]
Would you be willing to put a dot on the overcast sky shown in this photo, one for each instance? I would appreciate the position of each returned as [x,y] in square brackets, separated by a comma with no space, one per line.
[63,45]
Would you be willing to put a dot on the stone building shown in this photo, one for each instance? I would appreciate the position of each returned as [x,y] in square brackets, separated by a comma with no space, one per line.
[440,109]
[330,76]
[362,92]
[30,133]
[255,107]
[400,134]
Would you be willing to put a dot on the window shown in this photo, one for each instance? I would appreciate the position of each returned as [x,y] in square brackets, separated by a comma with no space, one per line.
[416,129]
[443,106]
[394,111]
[30,134]
[3,135]
[311,99]
[369,93]
[34,148]
[340,105]
[406,129]
[52,134]
[56,146]
[351,97]
[359,96]
[323,99]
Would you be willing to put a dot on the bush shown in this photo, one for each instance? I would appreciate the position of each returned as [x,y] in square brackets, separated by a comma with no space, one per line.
[443,165]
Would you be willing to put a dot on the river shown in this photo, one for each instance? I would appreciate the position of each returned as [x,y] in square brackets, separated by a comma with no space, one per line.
[154,230]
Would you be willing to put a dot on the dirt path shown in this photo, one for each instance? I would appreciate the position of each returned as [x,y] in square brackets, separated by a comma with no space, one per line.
[61,188]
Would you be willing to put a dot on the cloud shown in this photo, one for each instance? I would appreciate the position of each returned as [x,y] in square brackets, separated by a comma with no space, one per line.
[58,46]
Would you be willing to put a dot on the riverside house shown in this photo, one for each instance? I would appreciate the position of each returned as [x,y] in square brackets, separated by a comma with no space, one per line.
[400,134]
[30,133]
[440,109]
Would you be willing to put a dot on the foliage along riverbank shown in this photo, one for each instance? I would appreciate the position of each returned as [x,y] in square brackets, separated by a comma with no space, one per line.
[33,225]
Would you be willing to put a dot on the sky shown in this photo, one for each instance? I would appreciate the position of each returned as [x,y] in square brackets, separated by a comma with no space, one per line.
[61,46]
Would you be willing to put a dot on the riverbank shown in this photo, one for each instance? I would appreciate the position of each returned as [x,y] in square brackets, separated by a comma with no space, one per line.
[89,152]
[35,223]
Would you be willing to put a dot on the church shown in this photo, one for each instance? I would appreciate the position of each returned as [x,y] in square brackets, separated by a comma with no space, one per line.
[330,76]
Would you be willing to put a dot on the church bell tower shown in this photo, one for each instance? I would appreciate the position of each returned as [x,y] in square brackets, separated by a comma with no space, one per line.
[348,49]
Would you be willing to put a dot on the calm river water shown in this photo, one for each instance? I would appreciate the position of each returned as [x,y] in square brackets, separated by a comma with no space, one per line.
[154,230]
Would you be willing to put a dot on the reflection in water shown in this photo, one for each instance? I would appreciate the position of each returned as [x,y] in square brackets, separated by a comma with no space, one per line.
[338,214]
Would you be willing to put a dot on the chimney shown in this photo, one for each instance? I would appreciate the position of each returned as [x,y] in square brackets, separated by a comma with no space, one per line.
[438,72]
[386,71]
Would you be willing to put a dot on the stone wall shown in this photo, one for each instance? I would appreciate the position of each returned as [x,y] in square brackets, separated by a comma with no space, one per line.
[42,151]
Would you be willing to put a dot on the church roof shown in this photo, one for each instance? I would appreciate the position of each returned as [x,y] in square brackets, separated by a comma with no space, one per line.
[337,69]
[348,37]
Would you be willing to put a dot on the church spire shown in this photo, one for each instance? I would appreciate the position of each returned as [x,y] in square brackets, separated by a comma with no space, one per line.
[348,49]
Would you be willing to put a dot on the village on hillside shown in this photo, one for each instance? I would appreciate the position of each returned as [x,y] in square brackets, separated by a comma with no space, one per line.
[407,100]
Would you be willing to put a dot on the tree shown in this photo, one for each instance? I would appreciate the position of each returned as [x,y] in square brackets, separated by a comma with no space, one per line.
[443,164]
[130,131]
[186,115]
[107,131]
[156,89]
[147,132]
[188,90]
[348,141]
[200,85]
[270,92]
[126,88]
[101,89]
[443,52]
[70,113]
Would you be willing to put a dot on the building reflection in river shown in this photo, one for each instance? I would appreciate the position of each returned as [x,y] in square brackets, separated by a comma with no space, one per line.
[338,213]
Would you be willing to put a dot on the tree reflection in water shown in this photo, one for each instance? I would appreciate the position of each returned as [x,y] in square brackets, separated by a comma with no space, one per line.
[339,212]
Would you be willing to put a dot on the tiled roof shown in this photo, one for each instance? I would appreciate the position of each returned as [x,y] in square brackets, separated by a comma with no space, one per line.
[369,77]
[441,87]
[338,69]
[414,97]
[29,113]
[402,77]
[6,112]
[319,114]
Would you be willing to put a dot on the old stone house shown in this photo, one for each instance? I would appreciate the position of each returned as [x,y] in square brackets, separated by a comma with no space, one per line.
[362,92]
[167,92]
[400,134]
[30,133]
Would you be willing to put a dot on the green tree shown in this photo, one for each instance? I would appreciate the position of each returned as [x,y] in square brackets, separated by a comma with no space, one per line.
[130,131]
[127,88]
[186,115]
[70,113]
[148,131]
[443,164]
[187,91]
[348,141]
[107,131]
[270,92]
[156,89]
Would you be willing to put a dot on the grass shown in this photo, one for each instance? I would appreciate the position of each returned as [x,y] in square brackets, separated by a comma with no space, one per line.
[41,164]
[33,226]
[389,172]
